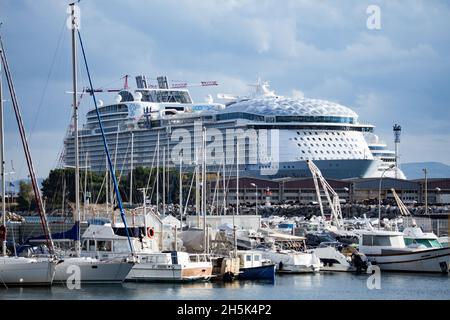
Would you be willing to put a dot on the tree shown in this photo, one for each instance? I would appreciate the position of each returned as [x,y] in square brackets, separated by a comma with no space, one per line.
[26,200]
[61,182]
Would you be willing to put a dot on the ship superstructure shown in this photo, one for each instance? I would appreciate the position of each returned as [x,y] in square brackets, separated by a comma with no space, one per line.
[275,134]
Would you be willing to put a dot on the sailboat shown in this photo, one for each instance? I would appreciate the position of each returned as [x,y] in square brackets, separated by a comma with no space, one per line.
[92,270]
[20,270]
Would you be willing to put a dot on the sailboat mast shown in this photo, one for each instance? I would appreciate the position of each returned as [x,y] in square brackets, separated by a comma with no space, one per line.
[164,182]
[181,192]
[75,125]
[168,169]
[131,171]
[197,189]
[237,178]
[157,176]
[237,200]
[85,185]
[204,189]
[224,187]
[26,149]
[106,186]
[2,163]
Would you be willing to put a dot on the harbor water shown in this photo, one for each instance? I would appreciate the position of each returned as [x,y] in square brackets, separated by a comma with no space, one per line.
[321,286]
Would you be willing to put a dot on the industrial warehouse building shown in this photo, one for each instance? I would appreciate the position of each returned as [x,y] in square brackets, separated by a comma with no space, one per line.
[302,191]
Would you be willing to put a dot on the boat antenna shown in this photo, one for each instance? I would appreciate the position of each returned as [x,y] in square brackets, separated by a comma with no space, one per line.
[111,169]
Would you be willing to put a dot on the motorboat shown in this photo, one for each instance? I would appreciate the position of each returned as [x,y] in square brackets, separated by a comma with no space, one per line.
[254,267]
[288,252]
[291,261]
[101,241]
[388,250]
[332,259]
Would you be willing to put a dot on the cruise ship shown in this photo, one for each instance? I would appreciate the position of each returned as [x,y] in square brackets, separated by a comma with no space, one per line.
[384,157]
[273,136]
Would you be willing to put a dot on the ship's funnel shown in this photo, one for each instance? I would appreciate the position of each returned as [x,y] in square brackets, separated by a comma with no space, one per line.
[162,82]
[141,82]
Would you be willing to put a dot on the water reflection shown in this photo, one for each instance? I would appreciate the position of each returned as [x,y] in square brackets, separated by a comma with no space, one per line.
[287,287]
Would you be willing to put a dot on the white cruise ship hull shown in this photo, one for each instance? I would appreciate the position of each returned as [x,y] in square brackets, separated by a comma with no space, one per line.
[19,271]
[428,260]
[93,270]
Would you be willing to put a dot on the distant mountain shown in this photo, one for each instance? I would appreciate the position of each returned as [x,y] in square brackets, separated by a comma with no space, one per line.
[414,170]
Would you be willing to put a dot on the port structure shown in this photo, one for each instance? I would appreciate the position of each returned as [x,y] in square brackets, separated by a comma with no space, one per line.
[333,199]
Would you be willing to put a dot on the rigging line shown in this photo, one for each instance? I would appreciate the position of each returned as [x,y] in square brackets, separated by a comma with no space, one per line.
[188,195]
[26,149]
[44,93]
[101,189]
[113,175]
[151,171]
[153,189]
[123,165]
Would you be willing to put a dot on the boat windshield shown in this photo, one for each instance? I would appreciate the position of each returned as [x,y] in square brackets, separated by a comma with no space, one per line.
[429,243]
[383,241]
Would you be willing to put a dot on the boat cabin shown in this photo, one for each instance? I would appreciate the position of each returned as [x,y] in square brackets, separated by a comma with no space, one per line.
[249,259]
[416,238]
[374,241]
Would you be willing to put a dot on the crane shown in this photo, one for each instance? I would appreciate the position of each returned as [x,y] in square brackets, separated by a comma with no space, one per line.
[333,199]
[401,206]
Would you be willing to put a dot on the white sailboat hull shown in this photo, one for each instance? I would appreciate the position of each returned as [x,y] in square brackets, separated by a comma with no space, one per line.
[92,270]
[26,271]
[427,260]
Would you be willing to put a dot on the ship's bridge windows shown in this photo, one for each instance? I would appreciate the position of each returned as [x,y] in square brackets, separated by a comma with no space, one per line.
[108,109]
[170,96]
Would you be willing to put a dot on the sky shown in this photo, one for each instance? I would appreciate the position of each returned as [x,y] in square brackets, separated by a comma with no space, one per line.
[399,73]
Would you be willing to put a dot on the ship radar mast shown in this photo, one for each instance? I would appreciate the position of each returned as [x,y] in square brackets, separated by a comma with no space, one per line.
[397,133]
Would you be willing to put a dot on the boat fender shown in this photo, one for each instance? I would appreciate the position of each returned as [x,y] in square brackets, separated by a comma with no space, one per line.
[150,232]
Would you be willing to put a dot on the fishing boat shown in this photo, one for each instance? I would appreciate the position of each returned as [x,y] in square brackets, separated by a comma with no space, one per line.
[254,267]
[388,250]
